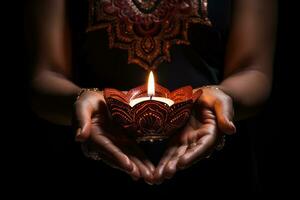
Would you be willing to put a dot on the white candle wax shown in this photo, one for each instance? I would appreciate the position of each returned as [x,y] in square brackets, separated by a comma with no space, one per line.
[133,102]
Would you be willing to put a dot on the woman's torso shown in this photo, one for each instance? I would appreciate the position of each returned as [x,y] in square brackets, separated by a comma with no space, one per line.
[201,63]
[97,64]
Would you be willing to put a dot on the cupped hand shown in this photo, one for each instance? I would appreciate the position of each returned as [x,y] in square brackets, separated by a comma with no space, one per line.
[221,104]
[212,117]
[196,141]
[203,133]
[101,137]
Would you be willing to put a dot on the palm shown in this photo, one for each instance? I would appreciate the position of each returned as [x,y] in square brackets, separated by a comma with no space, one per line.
[197,131]
[116,149]
[194,142]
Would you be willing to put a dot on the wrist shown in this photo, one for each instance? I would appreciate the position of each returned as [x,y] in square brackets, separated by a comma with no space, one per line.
[84,91]
[89,96]
[219,88]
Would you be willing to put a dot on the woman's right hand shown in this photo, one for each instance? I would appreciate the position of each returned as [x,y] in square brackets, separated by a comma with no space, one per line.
[99,135]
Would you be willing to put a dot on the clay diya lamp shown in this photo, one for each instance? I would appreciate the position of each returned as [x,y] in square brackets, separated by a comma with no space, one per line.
[151,112]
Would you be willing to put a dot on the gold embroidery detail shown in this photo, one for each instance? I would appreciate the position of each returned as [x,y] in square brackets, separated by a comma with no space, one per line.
[147,29]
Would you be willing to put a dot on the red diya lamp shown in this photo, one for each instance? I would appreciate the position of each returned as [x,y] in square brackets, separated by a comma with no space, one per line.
[152,112]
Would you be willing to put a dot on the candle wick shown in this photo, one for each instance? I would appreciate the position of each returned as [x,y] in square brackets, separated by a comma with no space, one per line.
[151,97]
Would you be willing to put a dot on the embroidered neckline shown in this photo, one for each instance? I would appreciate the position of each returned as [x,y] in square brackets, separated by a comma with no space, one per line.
[147,28]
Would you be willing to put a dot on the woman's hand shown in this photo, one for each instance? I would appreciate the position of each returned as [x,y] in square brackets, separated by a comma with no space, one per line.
[196,141]
[214,99]
[202,134]
[99,135]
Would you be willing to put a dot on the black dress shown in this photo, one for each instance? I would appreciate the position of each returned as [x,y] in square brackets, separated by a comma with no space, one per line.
[197,64]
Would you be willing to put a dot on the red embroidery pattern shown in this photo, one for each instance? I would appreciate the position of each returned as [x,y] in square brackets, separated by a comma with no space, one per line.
[147,28]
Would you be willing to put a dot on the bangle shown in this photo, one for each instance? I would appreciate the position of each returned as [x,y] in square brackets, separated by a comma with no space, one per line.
[216,87]
[213,87]
[84,90]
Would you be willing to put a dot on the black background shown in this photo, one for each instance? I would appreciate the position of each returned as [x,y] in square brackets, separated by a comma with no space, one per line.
[268,137]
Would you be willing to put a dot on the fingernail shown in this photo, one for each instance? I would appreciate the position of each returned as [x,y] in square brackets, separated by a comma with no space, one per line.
[232,126]
[78,133]
[152,170]
[84,128]
[130,166]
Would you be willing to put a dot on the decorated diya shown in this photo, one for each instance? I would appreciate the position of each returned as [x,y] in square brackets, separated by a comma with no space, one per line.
[151,112]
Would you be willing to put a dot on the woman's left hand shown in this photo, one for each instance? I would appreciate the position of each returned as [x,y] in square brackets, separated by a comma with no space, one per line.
[195,142]
[202,134]
[221,104]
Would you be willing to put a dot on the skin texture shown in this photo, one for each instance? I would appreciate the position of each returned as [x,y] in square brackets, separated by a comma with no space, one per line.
[246,85]
[213,117]
[100,134]
[195,142]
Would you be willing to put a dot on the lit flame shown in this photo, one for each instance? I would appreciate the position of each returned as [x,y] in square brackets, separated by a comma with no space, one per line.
[151,85]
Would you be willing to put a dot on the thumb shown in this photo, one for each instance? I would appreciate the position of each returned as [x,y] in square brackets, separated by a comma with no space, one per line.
[224,113]
[83,116]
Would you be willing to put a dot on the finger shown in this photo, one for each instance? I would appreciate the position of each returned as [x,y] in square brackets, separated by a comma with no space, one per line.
[144,158]
[107,147]
[158,178]
[201,150]
[145,166]
[89,151]
[171,167]
[107,159]
[83,117]
[224,112]
[150,165]
[135,173]
[142,168]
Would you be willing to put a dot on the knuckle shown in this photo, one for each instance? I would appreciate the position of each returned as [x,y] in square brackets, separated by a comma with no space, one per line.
[78,104]
[227,98]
